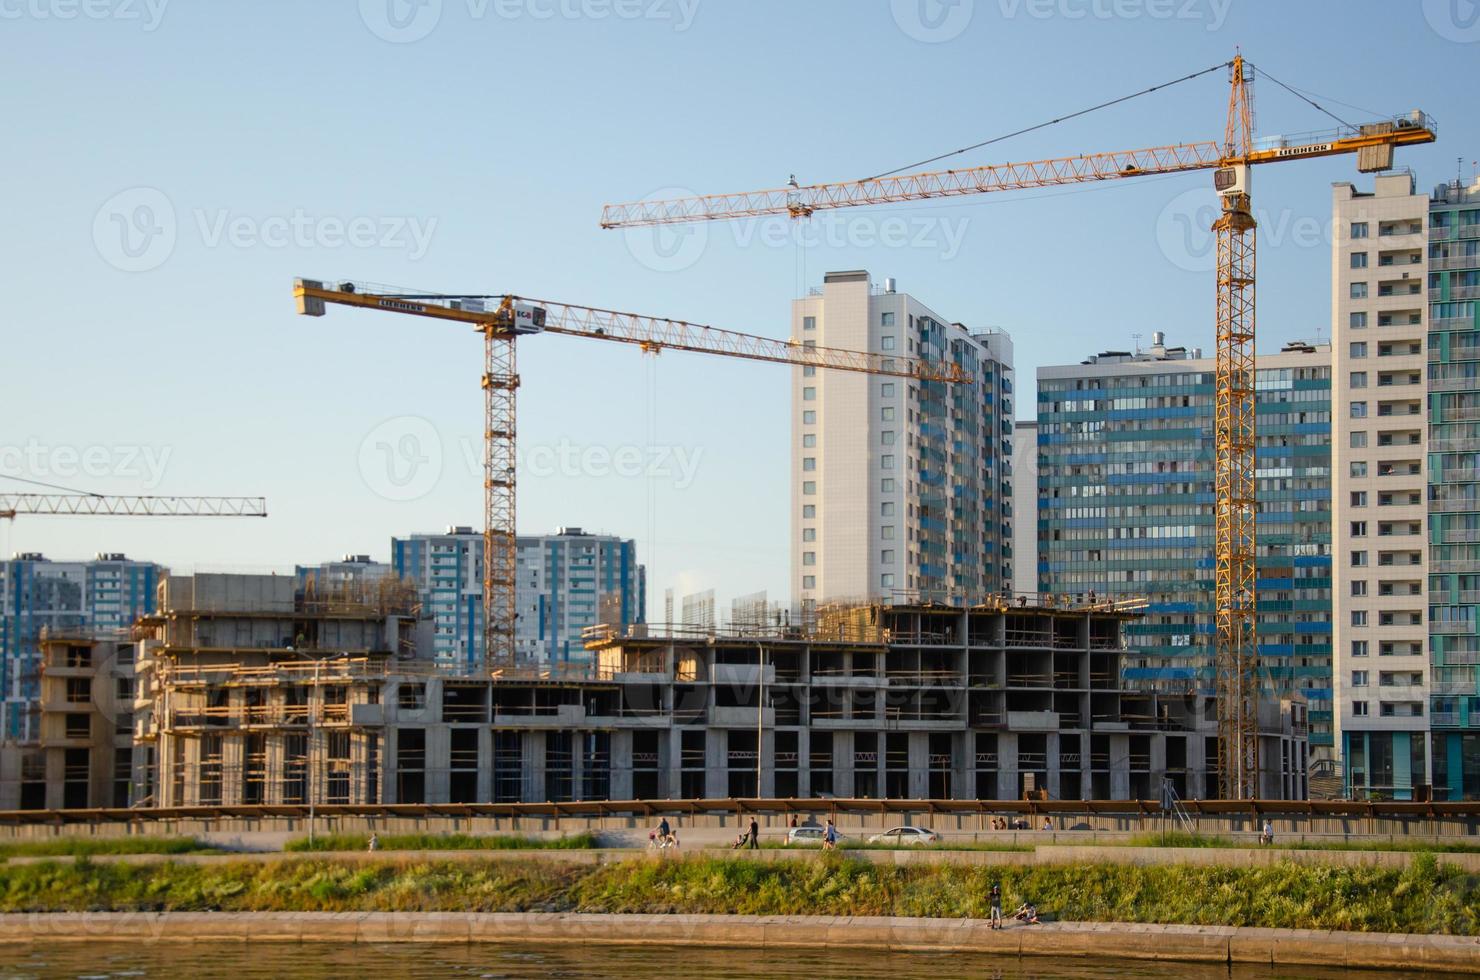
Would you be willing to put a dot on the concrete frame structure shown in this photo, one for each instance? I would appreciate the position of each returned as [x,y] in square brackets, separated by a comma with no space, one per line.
[898,487]
[247,696]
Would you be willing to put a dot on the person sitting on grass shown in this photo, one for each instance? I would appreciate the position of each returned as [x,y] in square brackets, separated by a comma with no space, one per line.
[1027,913]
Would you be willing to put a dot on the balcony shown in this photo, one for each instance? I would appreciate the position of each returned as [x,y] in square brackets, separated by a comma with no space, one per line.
[1451,262]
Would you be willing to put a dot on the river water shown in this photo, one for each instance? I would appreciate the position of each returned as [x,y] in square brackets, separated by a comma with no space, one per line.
[575,962]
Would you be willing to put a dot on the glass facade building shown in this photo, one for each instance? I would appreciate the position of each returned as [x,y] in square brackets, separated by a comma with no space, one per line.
[1125,509]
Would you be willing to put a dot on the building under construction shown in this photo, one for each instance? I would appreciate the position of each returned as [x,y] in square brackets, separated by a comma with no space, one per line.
[247,693]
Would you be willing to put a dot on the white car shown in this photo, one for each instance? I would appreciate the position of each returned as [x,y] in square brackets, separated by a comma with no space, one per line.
[906,835]
[809,836]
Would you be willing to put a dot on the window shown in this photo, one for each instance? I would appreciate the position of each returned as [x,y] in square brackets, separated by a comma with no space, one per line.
[1359,617]
[1359,350]
[809,323]
[809,558]
[1359,410]
[809,441]
[1359,229]
[887,413]
[809,394]
[886,390]
[886,319]
[1359,709]
[809,464]
[886,509]
[1359,260]
[886,581]
[1359,379]
[1359,648]
[1359,678]
[886,485]
[1359,498]
[1357,321]
[1359,559]
[79,690]
[809,510]
[886,462]
[1359,587]
[809,534]
[1359,468]
[809,371]
[886,438]
[809,417]
[886,557]
[886,533]
[1358,290]
[809,581]
[886,342]
[809,488]
[1358,440]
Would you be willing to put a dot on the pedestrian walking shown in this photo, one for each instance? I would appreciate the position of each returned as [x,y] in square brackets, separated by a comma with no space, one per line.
[755,834]
[996,907]
[830,837]
[374,842]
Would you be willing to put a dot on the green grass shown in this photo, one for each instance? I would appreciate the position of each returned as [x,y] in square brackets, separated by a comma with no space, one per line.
[87,846]
[1181,839]
[855,844]
[444,842]
[1426,897]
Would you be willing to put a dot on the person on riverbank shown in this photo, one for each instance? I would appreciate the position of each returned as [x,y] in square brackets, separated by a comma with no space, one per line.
[830,837]
[996,898]
[755,835]
[1267,835]
[374,844]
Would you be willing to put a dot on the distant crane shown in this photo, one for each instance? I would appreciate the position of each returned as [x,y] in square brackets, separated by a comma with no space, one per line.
[502,319]
[97,504]
[1233,426]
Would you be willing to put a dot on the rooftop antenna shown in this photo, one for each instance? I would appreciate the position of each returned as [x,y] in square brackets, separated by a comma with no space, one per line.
[1137,338]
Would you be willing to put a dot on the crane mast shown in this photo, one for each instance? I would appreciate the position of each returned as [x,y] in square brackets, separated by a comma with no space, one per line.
[502,319]
[1235,602]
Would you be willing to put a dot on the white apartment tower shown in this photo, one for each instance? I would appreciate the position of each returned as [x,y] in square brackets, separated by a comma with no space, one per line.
[1379,542]
[898,486]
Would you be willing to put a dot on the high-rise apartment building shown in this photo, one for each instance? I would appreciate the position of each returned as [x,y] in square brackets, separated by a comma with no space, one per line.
[72,597]
[898,486]
[1125,509]
[565,582]
[1405,277]
[1025,506]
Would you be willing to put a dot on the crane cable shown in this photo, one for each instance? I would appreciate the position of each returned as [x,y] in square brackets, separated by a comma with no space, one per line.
[51,486]
[1300,96]
[1050,122]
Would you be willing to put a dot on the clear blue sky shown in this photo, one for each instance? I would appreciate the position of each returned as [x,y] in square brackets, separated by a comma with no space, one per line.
[171,166]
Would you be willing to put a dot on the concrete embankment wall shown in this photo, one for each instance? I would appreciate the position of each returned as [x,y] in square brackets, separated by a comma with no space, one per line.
[1209,944]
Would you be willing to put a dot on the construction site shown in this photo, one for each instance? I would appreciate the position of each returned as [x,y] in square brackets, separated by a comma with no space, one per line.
[244,693]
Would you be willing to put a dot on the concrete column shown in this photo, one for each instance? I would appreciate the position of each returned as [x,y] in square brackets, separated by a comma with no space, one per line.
[390,784]
[1158,762]
[766,785]
[621,777]
[438,760]
[233,769]
[844,784]
[670,762]
[804,761]
[717,763]
[919,765]
[1051,759]
[577,763]
[1009,783]
[485,764]
[532,747]
[963,765]
[1197,769]
[1120,767]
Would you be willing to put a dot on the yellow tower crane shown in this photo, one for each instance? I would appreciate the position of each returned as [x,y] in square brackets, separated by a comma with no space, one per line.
[1233,426]
[501,319]
[105,505]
